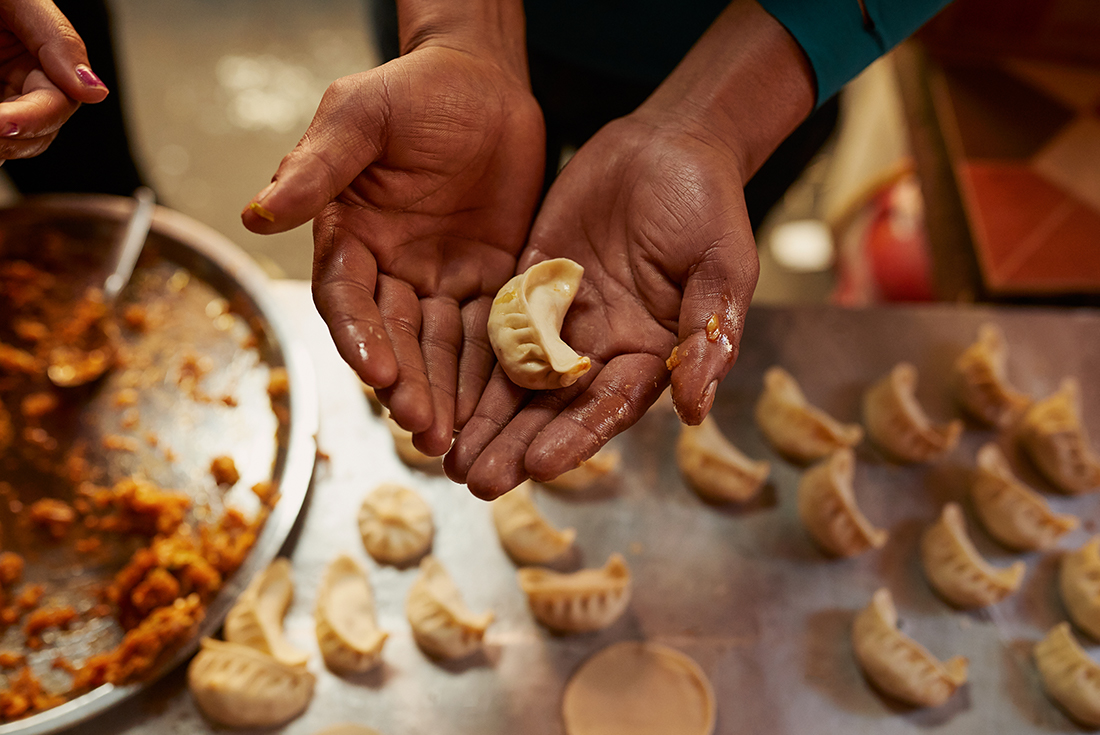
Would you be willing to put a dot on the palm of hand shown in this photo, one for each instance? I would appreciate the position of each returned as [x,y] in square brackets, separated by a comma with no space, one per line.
[433,225]
[446,204]
[658,220]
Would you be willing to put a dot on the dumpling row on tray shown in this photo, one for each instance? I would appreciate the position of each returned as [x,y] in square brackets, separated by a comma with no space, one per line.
[1049,432]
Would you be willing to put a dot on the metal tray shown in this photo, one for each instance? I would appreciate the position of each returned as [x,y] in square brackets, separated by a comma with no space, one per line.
[741,589]
[221,309]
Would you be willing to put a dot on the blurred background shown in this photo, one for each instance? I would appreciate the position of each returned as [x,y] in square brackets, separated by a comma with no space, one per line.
[965,165]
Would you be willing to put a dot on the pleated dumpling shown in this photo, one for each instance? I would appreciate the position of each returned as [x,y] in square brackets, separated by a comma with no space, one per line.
[592,471]
[441,623]
[1079,583]
[957,571]
[981,386]
[794,427]
[347,631]
[897,422]
[406,450]
[237,686]
[896,664]
[1055,439]
[714,467]
[525,326]
[1013,513]
[1071,678]
[583,601]
[256,620]
[396,524]
[828,510]
[524,533]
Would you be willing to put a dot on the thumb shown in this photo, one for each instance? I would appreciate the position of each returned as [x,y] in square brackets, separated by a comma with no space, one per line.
[712,319]
[344,138]
[48,35]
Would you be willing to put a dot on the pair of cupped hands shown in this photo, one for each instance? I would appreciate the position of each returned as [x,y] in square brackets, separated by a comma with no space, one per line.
[423,179]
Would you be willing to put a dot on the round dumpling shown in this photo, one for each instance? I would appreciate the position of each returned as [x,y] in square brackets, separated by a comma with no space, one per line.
[396,524]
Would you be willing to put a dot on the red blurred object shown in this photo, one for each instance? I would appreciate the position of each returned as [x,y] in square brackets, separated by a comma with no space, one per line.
[897,244]
[884,253]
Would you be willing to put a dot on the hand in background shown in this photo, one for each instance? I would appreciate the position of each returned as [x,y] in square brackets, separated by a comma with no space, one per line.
[653,208]
[45,75]
[423,175]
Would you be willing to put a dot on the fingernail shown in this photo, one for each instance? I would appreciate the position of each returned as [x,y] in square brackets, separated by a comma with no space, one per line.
[708,398]
[255,207]
[258,208]
[10,130]
[88,77]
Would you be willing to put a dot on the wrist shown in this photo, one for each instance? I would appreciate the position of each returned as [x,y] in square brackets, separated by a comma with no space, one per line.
[489,29]
[744,86]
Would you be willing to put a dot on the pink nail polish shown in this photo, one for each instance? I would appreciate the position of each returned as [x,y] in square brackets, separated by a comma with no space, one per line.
[88,77]
[10,130]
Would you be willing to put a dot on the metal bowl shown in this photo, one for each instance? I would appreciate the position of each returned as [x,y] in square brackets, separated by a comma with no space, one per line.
[224,275]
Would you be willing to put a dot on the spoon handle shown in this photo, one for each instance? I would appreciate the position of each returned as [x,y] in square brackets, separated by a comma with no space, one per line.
[129,248]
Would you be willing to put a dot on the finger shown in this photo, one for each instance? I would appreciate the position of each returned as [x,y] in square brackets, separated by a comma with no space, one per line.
[440,337]
[712,319]
[344,279]
[344,138]
[30,121]
[500,465]
[410,396]
[501,400]
[475,363]
[49,36]
[619,396]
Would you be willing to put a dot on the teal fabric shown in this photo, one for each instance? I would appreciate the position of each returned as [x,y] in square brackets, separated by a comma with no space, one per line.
[836,40]
[643,40]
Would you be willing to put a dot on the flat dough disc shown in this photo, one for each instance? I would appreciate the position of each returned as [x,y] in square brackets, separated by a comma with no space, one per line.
[636,688]
[348,729]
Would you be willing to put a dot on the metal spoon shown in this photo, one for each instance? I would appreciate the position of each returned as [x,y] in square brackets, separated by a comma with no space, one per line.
[71,366]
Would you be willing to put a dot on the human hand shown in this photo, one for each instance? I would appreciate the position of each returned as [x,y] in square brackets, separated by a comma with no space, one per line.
[654,210]
[423,175]
[44,74]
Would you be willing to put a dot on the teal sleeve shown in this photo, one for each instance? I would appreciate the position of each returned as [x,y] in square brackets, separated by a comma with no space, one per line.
[839,41]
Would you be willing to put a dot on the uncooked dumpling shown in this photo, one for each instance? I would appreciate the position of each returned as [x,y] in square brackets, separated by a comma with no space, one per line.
[638,688]
[898,424]
[794,427]
[896,664]
[828,510]
[238,686]
[406,450]
[525,326]
[348,728]
[980,383]
[256,619]
[715,468]
[441,623]
[591,471]
[590,599]
[1079,582]
[524,533]
[1056,440]
[347,631]
[1071,678]
[396,524]
[957,571]
[1013,513]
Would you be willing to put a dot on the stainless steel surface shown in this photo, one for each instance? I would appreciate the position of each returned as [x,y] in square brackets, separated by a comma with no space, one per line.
[253,337]
[740,589]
